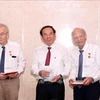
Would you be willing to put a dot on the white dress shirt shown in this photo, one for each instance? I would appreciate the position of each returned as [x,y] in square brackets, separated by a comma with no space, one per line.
[59,62]
[14,59]
[91,60]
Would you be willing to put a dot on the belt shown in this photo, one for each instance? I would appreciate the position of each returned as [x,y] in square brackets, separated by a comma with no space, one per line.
[41,81]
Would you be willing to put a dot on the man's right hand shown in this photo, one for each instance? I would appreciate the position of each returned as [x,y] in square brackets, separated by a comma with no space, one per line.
[71,82]
[2,76]
[44,73]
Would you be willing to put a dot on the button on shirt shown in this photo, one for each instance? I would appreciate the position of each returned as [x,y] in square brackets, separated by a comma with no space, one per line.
[14,59]
[59,61]
[91,60]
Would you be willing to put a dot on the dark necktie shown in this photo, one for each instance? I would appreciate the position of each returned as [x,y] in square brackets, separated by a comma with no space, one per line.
[80,65]
[47,62]
[2,60]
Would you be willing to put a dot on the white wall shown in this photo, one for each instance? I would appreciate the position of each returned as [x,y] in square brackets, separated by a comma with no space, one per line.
[25,18]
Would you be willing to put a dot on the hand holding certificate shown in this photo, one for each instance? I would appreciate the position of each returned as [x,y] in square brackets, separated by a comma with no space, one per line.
[78,82]
[9,73]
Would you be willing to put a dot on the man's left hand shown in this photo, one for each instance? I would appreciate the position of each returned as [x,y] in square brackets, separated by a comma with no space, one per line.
[88,80]
[56,78]
[13,75]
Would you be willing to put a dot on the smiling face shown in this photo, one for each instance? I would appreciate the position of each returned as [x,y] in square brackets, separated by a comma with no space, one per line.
[4,35]
[79,37]
[48,36]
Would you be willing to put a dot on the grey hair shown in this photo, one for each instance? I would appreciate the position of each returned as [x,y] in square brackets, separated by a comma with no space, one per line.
[3,25]
[79,29]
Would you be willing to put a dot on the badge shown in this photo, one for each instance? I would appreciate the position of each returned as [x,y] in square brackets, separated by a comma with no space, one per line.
[89,55]
[10,53]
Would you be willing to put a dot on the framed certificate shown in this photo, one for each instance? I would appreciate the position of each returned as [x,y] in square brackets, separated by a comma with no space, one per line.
[78,82]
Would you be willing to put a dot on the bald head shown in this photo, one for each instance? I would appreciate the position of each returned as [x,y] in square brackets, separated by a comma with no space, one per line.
[6,28]
[78,30]
[79,37]
[4,34]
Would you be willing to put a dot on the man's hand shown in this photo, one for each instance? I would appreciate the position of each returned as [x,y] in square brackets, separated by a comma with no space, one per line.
[88,81]
[71,81]
[14,75]
[56,78]
[44,73]
[2,76]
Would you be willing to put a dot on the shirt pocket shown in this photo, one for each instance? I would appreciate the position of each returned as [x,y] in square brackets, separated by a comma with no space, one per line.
[90,61]
[56,61]
[12,62]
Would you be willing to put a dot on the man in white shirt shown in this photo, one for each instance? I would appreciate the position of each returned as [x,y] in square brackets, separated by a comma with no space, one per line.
[12,65]
[50,84]
[88,88]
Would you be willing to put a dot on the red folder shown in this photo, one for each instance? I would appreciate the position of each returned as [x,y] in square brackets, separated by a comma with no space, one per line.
[10,73]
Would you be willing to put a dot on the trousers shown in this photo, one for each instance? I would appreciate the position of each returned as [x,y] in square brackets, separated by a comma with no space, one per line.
[50,91]
[90,92]
[9,89]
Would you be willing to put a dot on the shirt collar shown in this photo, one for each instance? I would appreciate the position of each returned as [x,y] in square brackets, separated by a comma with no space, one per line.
[6,44]
[52,46]
[85,46]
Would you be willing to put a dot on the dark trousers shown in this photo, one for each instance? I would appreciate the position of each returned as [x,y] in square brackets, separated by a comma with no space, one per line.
[50,91]
[99,88]
[90,92]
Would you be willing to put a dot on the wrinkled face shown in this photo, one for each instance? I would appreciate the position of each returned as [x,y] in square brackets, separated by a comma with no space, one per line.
[4,35]
[79,38]
[48,36]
